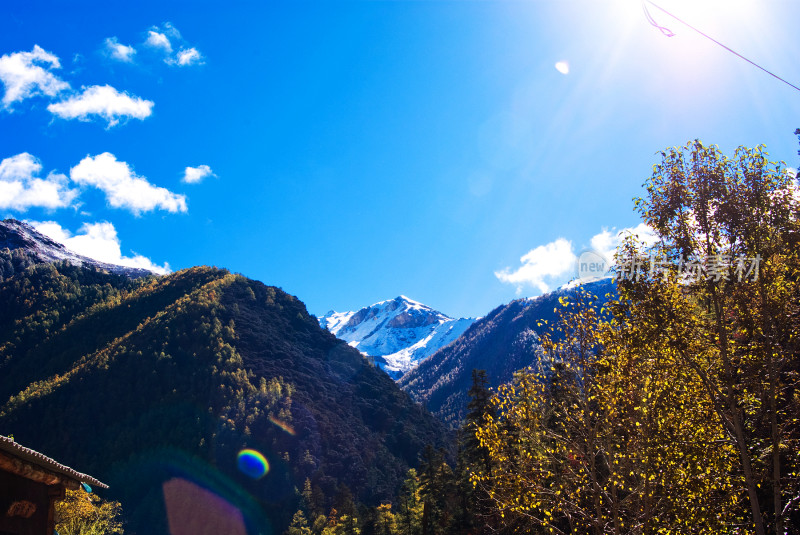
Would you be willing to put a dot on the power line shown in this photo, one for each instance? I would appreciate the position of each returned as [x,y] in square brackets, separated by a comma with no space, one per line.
[666,31]
[669,33]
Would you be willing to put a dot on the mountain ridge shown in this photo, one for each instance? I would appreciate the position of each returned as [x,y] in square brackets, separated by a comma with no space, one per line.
[502,342]
[18,236]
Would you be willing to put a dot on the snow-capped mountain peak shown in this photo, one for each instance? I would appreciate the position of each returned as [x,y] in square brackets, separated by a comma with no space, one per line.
[401,331]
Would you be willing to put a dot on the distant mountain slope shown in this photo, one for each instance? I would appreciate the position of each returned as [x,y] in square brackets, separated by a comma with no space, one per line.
[505,341]
[21,245]
[400,332]
[141,382]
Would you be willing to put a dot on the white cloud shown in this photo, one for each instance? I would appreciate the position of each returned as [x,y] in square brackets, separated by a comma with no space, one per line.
[26,74]
[606,242]
[166,38]
[541,265]
[158,40]
[103,101]
[21,188]
[189,56]
[550,264]
[98,241]
[562,67]
[193,175]
[789,194]
[118,51]
[123,188]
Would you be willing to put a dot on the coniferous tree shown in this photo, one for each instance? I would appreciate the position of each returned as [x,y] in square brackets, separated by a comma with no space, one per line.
[478,410]
[474,460]
[320,523]
[386,521]
[437,491]
[299,525]
[409,510]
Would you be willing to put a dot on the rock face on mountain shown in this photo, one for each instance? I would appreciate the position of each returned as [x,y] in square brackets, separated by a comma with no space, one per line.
[22,245]
[398,334]
[162,381]
[504,341]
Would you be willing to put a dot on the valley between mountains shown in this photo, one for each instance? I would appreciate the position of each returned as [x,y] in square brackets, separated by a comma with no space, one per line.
[140,379]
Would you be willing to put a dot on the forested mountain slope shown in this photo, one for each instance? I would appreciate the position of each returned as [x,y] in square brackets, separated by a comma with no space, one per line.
[501,343]
[138,382]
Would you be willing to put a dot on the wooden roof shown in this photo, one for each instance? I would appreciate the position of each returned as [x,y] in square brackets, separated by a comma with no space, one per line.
[33,465]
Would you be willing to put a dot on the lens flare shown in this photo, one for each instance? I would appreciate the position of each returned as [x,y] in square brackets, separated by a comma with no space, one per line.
[192,510]
[283,425]
[252,464]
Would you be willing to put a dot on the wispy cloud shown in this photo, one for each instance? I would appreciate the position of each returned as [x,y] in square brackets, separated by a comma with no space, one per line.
[27,74]
[189,56]
[158,40]
[21,188]
[123,188]
[193,175]
[104,102]
[98,241]
[166,39]
[116,50]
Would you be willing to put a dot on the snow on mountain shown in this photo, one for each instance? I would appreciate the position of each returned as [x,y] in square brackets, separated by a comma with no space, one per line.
[18,235]
[401,331]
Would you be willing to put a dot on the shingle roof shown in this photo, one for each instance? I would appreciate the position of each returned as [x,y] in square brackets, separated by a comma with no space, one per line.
[8,446]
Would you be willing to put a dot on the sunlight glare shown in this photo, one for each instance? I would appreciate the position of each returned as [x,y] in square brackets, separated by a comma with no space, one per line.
[696,11]
[717,18]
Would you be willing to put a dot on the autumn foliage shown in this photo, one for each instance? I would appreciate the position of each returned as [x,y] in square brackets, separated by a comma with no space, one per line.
[673,408]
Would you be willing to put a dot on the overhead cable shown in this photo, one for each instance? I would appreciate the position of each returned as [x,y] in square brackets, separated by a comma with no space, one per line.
[669,33]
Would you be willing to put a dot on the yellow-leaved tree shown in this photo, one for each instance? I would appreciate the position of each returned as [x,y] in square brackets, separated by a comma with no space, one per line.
[609,436]
[675,407]
[730,230]
[81,513]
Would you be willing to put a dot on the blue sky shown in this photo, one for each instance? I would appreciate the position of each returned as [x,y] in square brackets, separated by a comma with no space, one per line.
[350,152]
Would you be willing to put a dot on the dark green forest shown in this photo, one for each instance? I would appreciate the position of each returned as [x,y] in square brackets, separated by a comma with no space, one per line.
[140,381]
